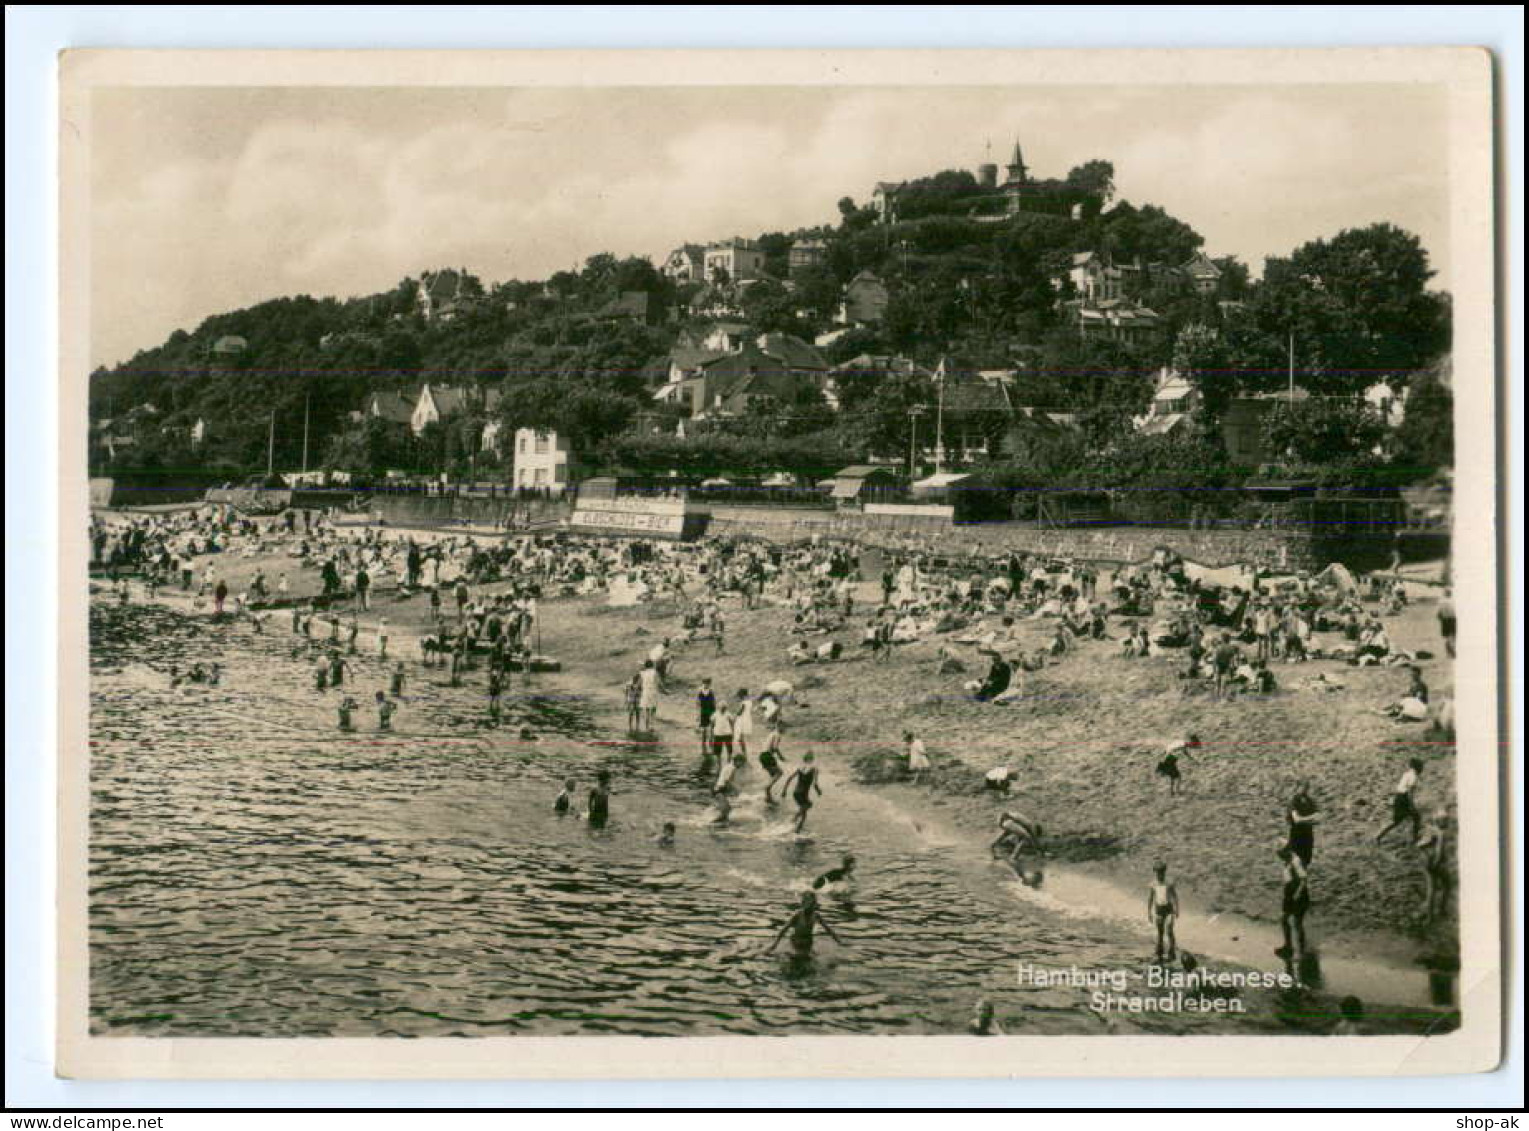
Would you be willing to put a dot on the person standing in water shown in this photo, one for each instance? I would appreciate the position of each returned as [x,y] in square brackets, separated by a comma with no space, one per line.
[706,710]
[385,709]
[805,778]
[802,925]
[564,801]
[600,801]
[724,789]
[1163,912]
[743,722]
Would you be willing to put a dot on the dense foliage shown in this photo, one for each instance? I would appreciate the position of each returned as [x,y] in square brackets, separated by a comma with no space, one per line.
[967,284]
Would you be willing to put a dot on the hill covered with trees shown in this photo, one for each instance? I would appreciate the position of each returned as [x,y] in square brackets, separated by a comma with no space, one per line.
[965,282]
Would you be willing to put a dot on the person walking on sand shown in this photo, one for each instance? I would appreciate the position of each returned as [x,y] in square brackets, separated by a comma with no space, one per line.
[495,694]
[801,926]
[382,638]
[1404,808]
[1295,901]
[1437,879]
[1163,912]
[1168,766]
[918,757]
[805,779]
[634,704]
[648,699]
[396,685]
[1301,818]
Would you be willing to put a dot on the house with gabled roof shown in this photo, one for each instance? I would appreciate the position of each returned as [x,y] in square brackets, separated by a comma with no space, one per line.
[441,294]
[686,264]
[435,403]
[1202,273]
[865,300]
[394,408]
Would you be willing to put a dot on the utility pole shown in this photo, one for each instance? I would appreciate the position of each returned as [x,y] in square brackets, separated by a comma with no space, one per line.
[1290,395]
[306,396]
[270,448]
[939,420]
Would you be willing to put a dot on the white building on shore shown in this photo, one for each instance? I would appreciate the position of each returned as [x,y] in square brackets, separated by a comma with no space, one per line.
[541,461]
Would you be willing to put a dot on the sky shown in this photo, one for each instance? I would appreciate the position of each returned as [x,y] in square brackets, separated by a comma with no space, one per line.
[210,199]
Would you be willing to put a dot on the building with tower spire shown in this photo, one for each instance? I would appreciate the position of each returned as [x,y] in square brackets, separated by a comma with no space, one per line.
[1018,173]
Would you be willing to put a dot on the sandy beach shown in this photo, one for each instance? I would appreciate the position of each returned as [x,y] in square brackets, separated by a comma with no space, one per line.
[1083,742]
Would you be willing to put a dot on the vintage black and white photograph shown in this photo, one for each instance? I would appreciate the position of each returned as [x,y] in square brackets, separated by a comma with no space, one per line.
[744,556]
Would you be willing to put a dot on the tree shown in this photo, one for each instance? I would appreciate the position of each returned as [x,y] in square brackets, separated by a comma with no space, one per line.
[1425,439]
[1093,186]
[1322,430]
[1200,356]
[1359,308]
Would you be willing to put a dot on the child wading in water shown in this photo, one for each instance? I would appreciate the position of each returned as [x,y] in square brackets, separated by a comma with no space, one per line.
[724,789]
[564,801]
[803,922]
[1163,911]
[347,709]
[806,778]
[385,709]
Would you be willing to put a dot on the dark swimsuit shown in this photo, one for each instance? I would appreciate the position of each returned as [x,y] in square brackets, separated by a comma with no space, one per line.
[599,808]
[804,784]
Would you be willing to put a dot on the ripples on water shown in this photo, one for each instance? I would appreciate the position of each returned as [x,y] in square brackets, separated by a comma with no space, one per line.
[253,872]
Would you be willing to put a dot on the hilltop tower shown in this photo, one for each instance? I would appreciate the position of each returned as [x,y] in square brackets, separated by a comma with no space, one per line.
[987,175]
[1018,174]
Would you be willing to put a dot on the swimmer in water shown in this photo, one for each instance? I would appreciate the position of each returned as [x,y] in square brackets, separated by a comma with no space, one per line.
[1163,911]
[665,839]
[801,926]
[843,874]
[984,1023]
[564,801]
